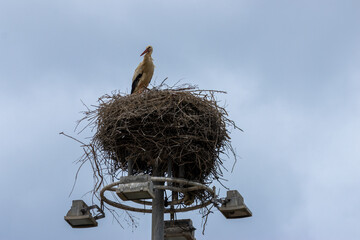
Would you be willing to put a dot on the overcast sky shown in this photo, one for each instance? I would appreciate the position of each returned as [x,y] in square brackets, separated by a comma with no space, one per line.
[291,72]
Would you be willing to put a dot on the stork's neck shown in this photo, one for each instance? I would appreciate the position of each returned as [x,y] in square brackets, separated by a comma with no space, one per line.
[147,57]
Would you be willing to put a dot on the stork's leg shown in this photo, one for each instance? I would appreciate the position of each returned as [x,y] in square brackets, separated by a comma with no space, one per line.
[141,90]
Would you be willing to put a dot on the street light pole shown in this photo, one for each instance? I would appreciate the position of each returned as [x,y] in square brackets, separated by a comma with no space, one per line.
[157,231]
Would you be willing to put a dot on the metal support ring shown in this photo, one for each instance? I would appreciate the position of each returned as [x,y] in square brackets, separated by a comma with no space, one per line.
[193,187]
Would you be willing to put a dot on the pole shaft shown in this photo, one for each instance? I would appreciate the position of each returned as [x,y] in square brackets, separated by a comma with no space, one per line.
[130,167]
[157,231]
[172,215]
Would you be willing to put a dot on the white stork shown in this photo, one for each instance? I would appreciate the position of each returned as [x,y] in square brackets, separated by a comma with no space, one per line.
[143,73]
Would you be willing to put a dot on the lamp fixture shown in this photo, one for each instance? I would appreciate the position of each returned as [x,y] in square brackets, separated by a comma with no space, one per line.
[233,206]
[79,215]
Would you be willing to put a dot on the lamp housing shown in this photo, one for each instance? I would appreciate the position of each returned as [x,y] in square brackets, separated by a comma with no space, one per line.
[135,188]
[79,215]
[233,206]
[179,230]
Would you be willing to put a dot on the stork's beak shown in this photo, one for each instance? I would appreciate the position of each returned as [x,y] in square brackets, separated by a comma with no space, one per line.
[146,50]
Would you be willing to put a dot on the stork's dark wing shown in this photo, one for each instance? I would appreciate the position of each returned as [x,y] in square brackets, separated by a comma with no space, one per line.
[135,82]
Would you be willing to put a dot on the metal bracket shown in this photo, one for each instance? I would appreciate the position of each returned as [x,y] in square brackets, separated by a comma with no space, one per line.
[100,215]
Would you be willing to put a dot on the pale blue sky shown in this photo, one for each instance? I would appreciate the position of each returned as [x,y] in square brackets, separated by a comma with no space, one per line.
[291,70]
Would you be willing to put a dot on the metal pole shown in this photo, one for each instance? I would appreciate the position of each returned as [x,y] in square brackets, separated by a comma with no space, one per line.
[157,231]
[130,167]
[173,193]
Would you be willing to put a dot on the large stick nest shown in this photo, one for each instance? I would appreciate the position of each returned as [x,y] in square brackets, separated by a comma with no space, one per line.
[184,126]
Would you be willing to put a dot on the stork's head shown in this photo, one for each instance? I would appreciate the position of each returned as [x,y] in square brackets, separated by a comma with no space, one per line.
[148,50]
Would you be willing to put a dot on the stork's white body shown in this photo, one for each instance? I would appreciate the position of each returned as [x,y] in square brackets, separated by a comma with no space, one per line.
[143,73]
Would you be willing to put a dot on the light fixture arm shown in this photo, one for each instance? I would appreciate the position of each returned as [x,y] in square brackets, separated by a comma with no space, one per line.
[219,201]
[100,214]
